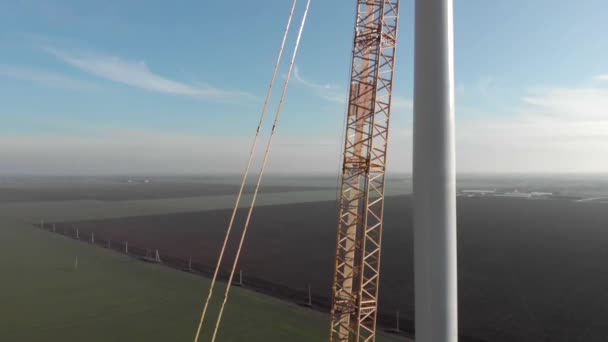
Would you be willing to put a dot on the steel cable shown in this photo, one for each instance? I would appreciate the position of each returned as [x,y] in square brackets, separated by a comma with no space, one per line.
[262,169]
[246,173]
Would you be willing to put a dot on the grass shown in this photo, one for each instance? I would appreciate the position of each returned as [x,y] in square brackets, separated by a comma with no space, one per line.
[112,297]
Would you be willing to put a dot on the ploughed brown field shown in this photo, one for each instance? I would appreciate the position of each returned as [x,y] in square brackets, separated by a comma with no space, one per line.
[529,270]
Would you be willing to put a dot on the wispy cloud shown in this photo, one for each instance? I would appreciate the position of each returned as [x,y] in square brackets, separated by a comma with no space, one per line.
[309,83]
[554,129]
[336,94]
[44,78]
[603,78]
[325,91]
[569,104]
[137,74]
[550,129]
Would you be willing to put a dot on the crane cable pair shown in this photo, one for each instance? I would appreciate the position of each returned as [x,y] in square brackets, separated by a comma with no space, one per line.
[246,173]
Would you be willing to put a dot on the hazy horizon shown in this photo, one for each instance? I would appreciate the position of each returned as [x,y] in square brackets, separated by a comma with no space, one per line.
[239,174]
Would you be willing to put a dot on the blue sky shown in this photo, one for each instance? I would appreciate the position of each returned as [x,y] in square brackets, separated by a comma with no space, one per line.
[148,86]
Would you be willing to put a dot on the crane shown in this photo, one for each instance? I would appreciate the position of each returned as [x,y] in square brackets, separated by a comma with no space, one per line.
[359,241]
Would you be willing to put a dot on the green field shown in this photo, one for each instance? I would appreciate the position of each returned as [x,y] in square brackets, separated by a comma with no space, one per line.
[112,297]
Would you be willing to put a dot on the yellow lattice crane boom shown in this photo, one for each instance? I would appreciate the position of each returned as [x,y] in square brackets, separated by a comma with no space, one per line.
[356,279]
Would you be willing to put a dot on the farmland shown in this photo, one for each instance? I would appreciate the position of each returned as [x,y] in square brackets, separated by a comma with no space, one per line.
[125,188]
[524,265]
[113,297]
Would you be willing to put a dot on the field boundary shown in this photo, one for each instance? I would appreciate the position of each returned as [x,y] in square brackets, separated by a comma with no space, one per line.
[302,297]
[386,321]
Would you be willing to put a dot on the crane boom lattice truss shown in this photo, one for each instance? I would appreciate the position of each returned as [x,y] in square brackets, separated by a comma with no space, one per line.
[356,280]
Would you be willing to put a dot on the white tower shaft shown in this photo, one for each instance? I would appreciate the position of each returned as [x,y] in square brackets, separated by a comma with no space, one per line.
[434,174]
